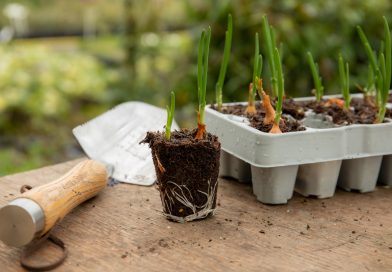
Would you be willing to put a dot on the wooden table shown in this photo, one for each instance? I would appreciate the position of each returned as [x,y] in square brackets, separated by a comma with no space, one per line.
[123,230]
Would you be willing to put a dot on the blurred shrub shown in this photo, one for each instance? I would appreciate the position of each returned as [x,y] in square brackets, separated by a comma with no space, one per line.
[323,27]
[60,17]
[40,85]
[45,92]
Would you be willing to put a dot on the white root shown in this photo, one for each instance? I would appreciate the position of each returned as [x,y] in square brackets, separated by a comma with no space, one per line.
[178,193]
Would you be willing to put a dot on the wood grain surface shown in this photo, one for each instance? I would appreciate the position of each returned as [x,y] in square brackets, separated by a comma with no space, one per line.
[122,229]
[60,196]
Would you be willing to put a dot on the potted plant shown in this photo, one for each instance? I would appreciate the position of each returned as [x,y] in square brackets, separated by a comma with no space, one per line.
[187,161]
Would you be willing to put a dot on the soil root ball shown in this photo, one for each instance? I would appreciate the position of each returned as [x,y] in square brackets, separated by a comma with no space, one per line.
[187,173]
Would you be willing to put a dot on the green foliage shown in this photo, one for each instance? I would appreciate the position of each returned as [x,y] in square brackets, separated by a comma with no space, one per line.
[160,52]
[344,81]
[32,157]
[303,26]
[382,87]
[43,83]
[384,76]
[269,38]
[280,83]
[381,68]
[275,66]
[44,93]
[66,17]
[370,88]
[257,67]
[373,62]
[369,51]
[202,70]
[387,42]
[316,77]
[170,115]
[225,61]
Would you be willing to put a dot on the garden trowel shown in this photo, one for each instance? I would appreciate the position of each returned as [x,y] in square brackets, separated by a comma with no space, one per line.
[111,140]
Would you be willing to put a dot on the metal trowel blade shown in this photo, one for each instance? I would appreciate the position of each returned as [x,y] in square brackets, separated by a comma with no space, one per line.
[113,138]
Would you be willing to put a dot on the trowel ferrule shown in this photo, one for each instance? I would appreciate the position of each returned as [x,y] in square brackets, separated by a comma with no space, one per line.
[20,222]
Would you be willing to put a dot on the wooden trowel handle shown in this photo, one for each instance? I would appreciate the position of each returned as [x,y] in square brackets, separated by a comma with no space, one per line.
[59,197]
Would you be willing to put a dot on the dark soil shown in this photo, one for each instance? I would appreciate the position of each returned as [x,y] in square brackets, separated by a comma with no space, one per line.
[256,121]
[289,106]
[361,112]
[339,116]
[186,168]
[293,108]
[239,109]
[390,98]
[285,124]
[365,113]
[388,113]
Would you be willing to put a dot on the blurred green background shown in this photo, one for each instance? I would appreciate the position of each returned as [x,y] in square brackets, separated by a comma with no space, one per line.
[64,62]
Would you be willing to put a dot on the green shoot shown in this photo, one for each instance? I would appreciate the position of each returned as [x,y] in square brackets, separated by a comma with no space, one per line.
[368,49]
[370,86]
[381,86]
[372,58]
[280,83]
[388,63]
[269,37]
[316,77]
[381,67]
[344,82]
[202,70]
[384,76]
[170,115]
[225,62]
[257,76]
[275,67]
[257,67]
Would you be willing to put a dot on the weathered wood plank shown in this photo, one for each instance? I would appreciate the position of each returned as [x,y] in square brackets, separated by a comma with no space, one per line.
[122,229]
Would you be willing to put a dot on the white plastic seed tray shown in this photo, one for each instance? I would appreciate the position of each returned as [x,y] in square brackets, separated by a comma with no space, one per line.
[311,162]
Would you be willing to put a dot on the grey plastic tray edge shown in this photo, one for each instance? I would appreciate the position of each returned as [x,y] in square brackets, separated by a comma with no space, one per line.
[310,146]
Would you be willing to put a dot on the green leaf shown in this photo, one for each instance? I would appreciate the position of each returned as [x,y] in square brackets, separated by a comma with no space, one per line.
[225,61]
[383,89]
[255,66]
[278,65]
[269,37]
[170,115]
[387,42]
[347,98]
[316,77]
[200,66]
[370,81]
[383,73]
[260,66]
[202,70]
[368,49]
[344,75]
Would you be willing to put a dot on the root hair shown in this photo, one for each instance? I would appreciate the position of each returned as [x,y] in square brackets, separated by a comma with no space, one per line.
[182,194]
